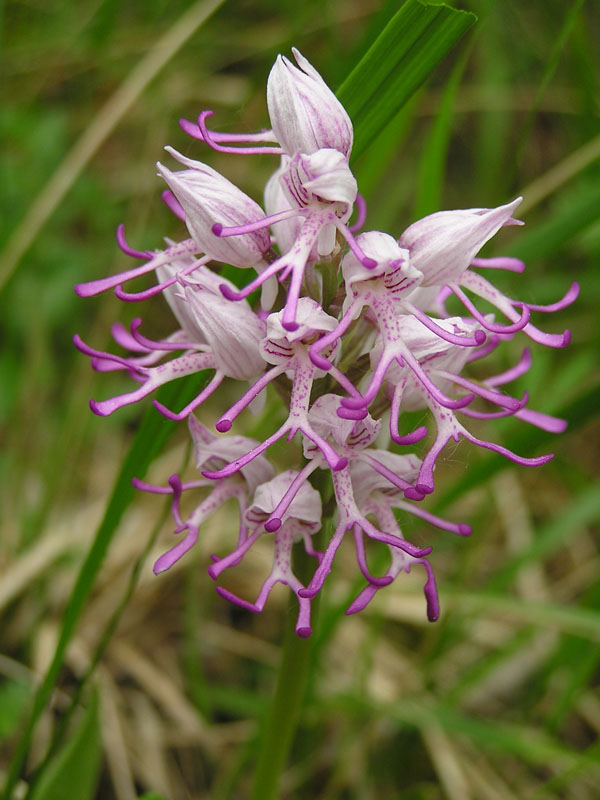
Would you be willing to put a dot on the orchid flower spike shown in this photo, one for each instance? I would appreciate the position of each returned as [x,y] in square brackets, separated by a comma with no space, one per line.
[380,340]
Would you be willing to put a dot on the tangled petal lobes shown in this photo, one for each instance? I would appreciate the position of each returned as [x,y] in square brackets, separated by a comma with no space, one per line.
[483,288]
[213,139]
[156,376]
[188,247]
[213,384]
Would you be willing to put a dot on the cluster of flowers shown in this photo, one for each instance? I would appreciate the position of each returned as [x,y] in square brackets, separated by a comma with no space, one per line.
[363,316]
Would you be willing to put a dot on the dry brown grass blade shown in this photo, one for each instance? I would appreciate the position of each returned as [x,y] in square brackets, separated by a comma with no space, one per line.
[97,132]
[114,740]
[163,689]
[446,762]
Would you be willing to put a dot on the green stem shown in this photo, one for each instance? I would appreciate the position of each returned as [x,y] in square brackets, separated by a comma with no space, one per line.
[280,725]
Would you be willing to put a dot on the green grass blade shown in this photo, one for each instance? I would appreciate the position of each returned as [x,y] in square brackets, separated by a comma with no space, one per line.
[583,622]
[532,745]
[14,699]
[580,210]
[413,42]
[148,442]
[571,17]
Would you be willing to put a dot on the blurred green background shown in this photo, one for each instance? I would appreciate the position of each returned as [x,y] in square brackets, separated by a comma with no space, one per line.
[497,700]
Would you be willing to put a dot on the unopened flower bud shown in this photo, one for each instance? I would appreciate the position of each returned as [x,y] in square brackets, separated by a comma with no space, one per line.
[442,245]
[209,199]
[232,330]
[305,114]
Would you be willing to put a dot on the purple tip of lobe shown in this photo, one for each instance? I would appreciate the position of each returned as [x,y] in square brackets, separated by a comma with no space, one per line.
[273,524]
[289,325]
[352,413]
[191,128]
[464,529]
[223,425]
[228,292]
[431,595]
[410,438]
[362,601]
[341,464]
[424,488]
[413,494]
[479,336]
[303,632]
[129,251]
[98,409]
[319,361]
[433,610]
[353,403]
[369,263]
[217,229]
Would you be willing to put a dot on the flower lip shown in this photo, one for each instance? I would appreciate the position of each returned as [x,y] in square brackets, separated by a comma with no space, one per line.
[305,508]
[212,451]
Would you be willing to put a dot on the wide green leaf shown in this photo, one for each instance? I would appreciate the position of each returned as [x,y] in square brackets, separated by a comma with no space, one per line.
[411,45]
[73,774]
